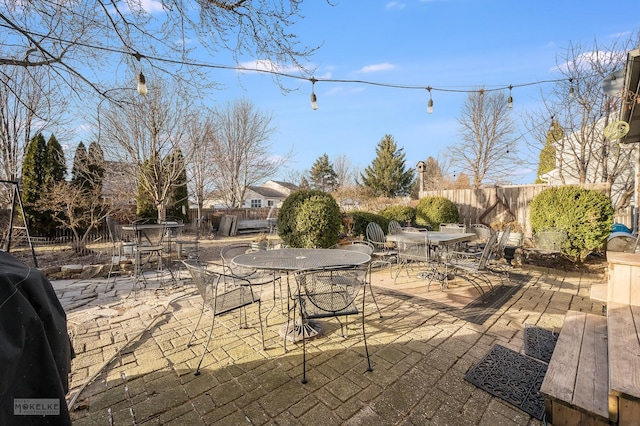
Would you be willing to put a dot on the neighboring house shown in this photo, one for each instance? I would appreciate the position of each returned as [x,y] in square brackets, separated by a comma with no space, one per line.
[617,157]
[270,194]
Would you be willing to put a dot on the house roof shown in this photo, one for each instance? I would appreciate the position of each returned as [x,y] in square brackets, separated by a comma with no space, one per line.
[632,90]
[287,185]
[267,192]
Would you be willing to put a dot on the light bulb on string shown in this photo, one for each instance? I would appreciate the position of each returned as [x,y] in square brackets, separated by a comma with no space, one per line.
[142,84]
[571,89]
[314,99]
[430,103]
[510,100]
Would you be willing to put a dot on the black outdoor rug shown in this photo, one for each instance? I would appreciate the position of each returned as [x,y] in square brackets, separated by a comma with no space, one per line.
[539,343]
[512,377]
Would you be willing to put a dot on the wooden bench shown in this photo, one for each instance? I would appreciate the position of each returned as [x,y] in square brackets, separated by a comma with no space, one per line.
[576,385]
[624,362]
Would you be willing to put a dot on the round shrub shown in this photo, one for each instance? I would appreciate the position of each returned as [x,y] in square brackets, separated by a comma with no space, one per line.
[309,218]
[432,211]
[401,214]
[362,219]
[586,215]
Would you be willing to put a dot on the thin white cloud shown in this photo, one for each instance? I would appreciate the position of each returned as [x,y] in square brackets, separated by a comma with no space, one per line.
[586,59]
[376,67]
[395,5]
[266,65]
[151,6]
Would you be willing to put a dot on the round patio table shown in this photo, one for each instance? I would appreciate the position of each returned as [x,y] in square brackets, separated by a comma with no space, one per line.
[297,259]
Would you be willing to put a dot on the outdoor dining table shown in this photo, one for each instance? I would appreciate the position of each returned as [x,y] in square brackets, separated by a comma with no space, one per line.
[297,259]
[439,241]
[143,231]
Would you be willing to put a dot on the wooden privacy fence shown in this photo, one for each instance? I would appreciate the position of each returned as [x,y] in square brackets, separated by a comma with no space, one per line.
[508,203]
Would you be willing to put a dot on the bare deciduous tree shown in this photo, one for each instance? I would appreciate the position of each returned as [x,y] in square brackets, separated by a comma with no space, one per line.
[487,149]
[241,151]
[24,111]
[582,109]
[201,167]
[346,171]
[145,131]
[74,40]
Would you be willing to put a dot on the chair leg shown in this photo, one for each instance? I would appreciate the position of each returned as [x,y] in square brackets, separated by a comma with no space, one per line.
[206,346]
[364,336]
[304,353]
[197,324]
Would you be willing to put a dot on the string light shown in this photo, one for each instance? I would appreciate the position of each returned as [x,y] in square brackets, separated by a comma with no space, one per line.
[571,89]
[182,62]
[430,103]
[314,99]
[510,100]
[142,84]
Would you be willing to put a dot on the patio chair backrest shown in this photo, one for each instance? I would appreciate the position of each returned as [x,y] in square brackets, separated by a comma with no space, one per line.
[414,250]
[499,249]
[394,227]
[453,227]
[483,232]
[359,246]
[488,249]
[331,291]
[228,252]
[375,235]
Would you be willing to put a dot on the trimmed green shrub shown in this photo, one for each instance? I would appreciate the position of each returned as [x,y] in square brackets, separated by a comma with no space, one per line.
[402,214]
[586,215]
[432,211]
[309,218]
[362,219]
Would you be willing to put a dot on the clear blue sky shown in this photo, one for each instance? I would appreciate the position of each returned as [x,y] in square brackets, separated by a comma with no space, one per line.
[450,44]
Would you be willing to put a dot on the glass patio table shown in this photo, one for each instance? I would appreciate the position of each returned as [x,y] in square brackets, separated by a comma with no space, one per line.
[297,259]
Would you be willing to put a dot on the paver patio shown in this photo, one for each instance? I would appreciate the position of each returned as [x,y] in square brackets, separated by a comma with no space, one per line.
[133,365]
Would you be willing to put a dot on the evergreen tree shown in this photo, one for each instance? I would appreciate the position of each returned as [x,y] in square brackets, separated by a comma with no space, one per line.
[322,175]
[144,203]
[79,170]
[55,167]
[33,173]
[547,161]
[387,175]
[178,204]
[95,167]
[55,171]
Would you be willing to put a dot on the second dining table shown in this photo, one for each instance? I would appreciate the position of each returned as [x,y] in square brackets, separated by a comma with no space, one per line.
[298,259]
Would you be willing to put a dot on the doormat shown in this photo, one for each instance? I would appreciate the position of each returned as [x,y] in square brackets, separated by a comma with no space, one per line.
[539,343]
[512,377]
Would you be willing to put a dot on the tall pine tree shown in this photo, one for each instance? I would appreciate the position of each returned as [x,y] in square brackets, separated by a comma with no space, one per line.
[79,170]
[33,173]
[95,167]
[55,171]
[322,176]
[387,175]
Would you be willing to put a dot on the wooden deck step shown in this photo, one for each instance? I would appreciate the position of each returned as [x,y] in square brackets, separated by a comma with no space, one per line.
[624,361]
[577,381]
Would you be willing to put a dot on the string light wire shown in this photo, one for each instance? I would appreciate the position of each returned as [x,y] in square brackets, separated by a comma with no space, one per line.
[313,80]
